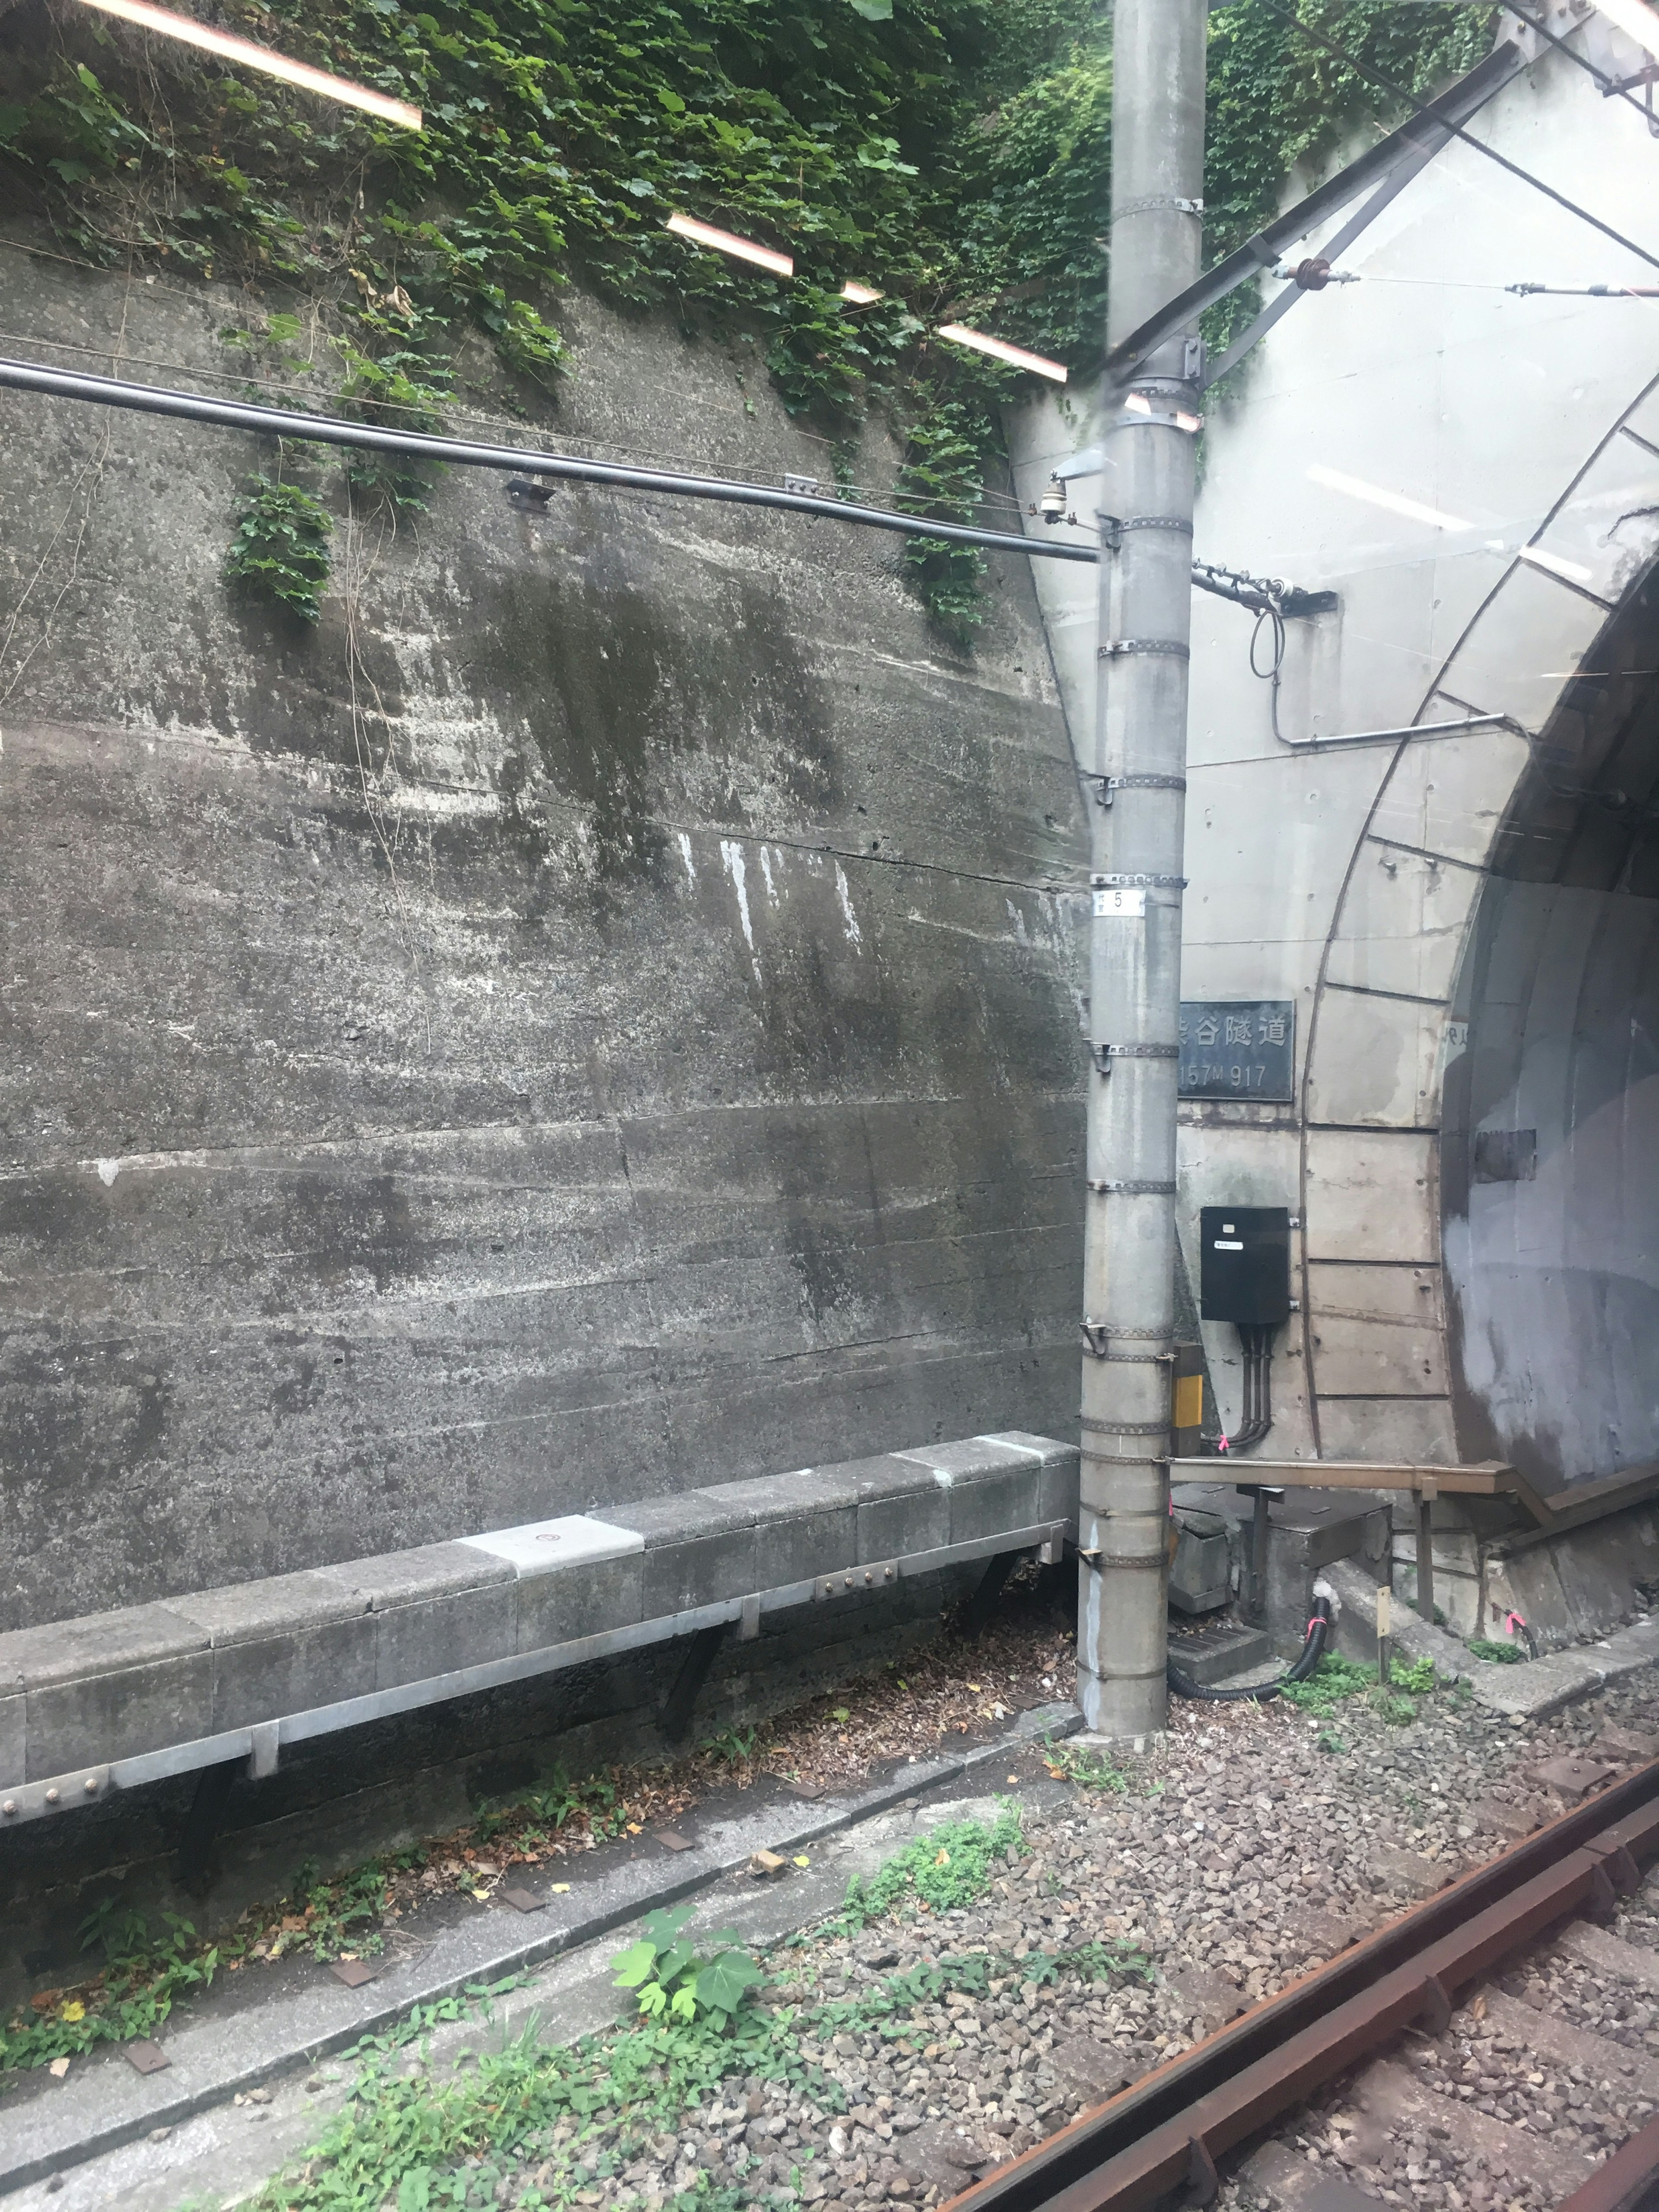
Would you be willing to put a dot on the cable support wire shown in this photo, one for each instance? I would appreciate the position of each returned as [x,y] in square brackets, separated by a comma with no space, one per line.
[1288,14]
[1315,274]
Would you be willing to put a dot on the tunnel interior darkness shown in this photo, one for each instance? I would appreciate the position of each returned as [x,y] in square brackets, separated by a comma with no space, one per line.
[1550,1129]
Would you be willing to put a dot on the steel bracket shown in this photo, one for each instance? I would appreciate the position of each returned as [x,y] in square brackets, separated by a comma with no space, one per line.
[1108,1189]
[854,1579]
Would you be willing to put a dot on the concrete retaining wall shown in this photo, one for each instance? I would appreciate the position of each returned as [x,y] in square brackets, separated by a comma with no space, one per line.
[598,1017]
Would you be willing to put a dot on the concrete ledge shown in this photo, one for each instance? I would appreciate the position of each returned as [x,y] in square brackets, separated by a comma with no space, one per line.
[1524,1691]
[116,1700]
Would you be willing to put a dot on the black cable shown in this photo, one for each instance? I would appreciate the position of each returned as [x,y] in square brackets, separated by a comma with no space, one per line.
[1313,1650]
[1270,614]
[1398,91]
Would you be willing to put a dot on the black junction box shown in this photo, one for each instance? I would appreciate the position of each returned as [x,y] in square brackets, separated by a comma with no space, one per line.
[1244,1274]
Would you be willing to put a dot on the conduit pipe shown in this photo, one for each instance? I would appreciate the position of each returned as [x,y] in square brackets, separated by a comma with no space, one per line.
[333,430]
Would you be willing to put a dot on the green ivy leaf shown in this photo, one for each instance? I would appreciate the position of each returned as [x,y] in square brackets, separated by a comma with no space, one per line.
[874,11]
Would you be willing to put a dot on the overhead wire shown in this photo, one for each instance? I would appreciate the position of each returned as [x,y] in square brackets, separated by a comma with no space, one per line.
[1314,38]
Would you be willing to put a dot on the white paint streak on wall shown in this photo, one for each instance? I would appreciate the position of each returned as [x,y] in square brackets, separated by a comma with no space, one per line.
[854,934]
[107,1171]
[685,854]
[732,853]
[766,870]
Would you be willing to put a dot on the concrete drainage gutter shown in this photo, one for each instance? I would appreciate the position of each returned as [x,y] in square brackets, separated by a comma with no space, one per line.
[46,2127]
[1526,1691]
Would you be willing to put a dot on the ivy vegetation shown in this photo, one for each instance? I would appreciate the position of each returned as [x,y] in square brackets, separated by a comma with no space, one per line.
[954,155]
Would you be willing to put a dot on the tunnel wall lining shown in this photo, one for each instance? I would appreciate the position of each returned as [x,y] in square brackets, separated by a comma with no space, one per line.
[1351,881]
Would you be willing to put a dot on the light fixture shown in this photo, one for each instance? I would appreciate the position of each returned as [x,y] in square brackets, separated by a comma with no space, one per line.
[1000,350]
[726,242]
[243,51]
[1574,572]
[861,295]
[1635,20]
[1395,503]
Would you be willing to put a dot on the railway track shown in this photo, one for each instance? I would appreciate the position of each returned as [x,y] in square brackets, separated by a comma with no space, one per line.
[1409,2029]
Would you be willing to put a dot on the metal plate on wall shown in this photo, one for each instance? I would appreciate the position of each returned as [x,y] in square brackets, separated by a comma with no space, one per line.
[1238,1048]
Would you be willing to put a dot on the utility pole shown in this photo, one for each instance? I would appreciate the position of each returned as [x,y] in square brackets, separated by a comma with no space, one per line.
[1140,755]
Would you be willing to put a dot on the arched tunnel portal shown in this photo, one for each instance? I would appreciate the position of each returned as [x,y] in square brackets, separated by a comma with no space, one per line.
[1549,1151]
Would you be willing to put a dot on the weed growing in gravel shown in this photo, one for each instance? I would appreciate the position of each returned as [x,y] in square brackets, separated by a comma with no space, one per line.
[568,2118]
[948,1868]
[677,1982]
[1089,1769]
[1501,1654]
[1336,1679]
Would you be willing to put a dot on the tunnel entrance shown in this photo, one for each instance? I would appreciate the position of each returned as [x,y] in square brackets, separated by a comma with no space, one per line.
[1550,1126]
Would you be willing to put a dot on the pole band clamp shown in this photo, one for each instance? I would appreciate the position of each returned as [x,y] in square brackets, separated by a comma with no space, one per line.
[1170,647]
[1159,202]
[1131,1189]
[1137,882]
[1105,1055]
[1176,522]
[1124,1559]
[1107,786]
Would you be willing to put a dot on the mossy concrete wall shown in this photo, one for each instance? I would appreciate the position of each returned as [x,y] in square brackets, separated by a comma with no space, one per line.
[599,1013]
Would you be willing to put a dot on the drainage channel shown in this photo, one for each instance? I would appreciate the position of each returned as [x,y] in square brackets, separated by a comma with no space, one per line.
[1165,2139]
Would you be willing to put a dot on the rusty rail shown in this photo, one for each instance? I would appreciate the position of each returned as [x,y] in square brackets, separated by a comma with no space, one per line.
[1629,2182]
[1168,2132]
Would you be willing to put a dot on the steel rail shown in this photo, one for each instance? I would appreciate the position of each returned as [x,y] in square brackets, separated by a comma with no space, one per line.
[1169,2130]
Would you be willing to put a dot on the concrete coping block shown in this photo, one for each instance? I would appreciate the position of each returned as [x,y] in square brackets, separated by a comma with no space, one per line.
[390,1579]
[785,1497]
[885,1474]
[963,1462]
[540,1547]
[278,1605]
[96,1644]
[687,1515]
[1048,1449]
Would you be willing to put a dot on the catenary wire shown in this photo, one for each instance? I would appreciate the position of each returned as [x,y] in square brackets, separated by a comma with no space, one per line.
[1398,91]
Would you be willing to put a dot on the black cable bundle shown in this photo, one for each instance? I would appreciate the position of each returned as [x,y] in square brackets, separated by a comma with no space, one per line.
[1313,1650]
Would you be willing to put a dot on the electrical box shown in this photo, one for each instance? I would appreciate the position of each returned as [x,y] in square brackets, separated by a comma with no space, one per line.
[1244,1269]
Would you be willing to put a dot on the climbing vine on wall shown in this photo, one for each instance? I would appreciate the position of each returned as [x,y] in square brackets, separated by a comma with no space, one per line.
[280,550]
[953,154]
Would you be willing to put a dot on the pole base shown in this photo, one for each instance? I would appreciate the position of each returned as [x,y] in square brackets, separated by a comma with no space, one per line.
[1123,1707]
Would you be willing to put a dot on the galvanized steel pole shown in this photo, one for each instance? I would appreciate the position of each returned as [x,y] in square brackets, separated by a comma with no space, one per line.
[1140,736]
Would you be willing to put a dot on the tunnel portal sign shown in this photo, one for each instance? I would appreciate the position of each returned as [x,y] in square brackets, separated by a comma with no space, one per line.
[1238,1048]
